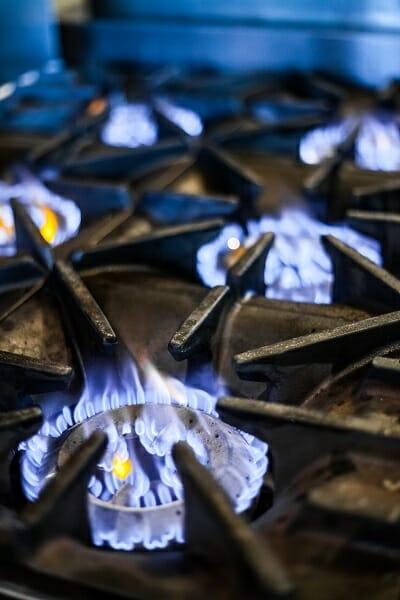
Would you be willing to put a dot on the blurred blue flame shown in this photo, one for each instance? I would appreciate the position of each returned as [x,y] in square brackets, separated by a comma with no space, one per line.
[34,195]
[146,508]
[28,78]
[320,143]
[186,119]
[297,267]
[7,90]
[130,125]
[377,146]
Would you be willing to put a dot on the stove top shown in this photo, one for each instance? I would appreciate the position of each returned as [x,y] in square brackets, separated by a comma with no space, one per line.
[200,317]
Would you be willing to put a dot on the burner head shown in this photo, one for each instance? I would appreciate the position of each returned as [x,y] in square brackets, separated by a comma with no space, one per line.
[57,218]
[135,124]
[135,495]
[130,125]
[297,266]
[377,143]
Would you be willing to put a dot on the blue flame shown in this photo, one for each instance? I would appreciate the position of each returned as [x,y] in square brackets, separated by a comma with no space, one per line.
[7,90]
[210,264]
[35,196]
[130,125]
[320,143]
[377,146]
[297,267]
[146,508]
[28,78]
[186,119]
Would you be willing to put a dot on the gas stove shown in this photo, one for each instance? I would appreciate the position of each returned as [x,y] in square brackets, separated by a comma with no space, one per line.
[200,309]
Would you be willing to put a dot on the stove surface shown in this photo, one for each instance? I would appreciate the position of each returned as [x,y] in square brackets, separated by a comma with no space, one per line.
[200,336]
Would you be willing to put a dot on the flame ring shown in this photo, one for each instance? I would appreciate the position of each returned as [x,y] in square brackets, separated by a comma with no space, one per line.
[237,460]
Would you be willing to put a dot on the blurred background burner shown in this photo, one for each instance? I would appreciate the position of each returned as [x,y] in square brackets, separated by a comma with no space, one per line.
[130,125]
[377,144]
[57,218]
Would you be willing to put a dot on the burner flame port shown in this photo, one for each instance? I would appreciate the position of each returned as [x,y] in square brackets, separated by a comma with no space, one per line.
[135,495]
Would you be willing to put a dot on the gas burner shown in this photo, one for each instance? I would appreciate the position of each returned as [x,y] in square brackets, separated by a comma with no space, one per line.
[57,218]
[297,267]
[377,144]
[135,494]
[139,123]
[130,125]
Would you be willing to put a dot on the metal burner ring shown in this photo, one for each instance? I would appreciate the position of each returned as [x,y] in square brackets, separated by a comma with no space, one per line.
[238,461]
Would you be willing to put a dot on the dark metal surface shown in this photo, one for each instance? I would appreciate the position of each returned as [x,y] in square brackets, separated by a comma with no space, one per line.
[247,274]
[360,282]
[384,227]
[171,247]
[195,338]
[28,237]
[341,344]
[316,434]
[122,161]
[167,297]
[196,331]
[232,177]
[75,292]
[281,137]
[21,271]
[388,367]
[213,529]
[94,198]
[32,374]
[174,207]
[50,150]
